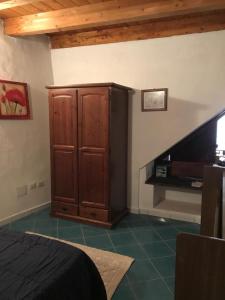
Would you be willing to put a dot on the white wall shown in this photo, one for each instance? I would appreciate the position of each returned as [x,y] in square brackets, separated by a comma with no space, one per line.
[24,145]
[191,66]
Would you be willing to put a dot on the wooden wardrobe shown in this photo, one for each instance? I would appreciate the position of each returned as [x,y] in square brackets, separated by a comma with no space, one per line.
[88,133]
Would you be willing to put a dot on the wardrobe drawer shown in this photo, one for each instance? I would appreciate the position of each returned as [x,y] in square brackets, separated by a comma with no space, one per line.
[64,208]
[94,213]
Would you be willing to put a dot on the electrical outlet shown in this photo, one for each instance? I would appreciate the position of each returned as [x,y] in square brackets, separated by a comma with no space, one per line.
[21,191]
[33,186]
[41,184]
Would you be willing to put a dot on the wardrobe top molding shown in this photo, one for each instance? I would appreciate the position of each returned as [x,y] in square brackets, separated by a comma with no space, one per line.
[105,84]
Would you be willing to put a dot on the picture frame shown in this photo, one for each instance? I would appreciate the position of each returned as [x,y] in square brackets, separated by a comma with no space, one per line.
[14,100]
[154,99]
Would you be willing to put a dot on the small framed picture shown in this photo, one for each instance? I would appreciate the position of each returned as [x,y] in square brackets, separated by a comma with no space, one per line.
[14,102]
[154,99]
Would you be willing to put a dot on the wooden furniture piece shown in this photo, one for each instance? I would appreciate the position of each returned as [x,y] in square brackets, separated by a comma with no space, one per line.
[200,272]
[88,126]
[213,202]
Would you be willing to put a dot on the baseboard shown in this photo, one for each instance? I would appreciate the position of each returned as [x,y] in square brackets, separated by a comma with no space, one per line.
[134,210]
[144,211]
[166,214]
[23,213]
[171,215]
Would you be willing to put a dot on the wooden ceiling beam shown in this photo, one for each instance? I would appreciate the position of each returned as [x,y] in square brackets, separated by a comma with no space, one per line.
[166,27]
[15,3]
[106,13]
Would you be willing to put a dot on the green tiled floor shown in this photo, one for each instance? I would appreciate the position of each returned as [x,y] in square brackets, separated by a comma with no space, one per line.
[150,240]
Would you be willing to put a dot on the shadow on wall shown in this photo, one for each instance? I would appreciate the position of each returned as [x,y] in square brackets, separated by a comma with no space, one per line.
[152,133]
[184,112]
[165,128]
[179,112]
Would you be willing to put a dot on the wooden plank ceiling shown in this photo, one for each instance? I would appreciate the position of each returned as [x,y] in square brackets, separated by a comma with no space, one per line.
[71,23]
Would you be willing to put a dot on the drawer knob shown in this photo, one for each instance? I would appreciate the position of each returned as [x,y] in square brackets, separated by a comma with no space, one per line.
[93,214]
[64,209]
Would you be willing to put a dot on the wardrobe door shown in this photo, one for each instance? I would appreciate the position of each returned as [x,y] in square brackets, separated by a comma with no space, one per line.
[63,128]
[93,134]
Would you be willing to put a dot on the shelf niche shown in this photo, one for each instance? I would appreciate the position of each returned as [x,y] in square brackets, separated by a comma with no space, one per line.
[177,203]
[179,170]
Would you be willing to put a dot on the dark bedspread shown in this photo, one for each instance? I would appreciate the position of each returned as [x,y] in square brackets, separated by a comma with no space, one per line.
[33,267]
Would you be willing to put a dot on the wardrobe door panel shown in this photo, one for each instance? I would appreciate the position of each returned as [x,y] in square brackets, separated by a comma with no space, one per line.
[63,120]
[93,117]
[93,146]
[64,175]
[63,127]
[93,181]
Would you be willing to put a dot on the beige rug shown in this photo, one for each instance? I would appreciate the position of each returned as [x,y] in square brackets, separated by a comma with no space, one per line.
[111,266]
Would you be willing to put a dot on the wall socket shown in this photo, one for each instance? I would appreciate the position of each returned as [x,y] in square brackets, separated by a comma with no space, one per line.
[33,186]
[41,183]
[21,191]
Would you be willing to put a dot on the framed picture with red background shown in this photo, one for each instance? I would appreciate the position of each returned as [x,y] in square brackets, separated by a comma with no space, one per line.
[14,102]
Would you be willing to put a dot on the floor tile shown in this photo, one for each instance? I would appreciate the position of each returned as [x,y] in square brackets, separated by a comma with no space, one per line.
[66,223]
[144,236]
[157,249]
[122,239]
[138,225]
[178,222]
[167,233]
[121,227]
[79,240]
[124,293]
[22,225]
[191,228]
[47,231]
[43,214]
[68,233]
[29,218]
[92,230]
[165,266]
[152,290]
[136,217]
[124,281]
[171,283]
[100,241]
[134,251]
[43,223]
[171,244]
[142,270]
[136,221]
[158,222]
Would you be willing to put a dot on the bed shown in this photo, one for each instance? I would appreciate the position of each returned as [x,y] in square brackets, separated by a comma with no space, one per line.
[34,267]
